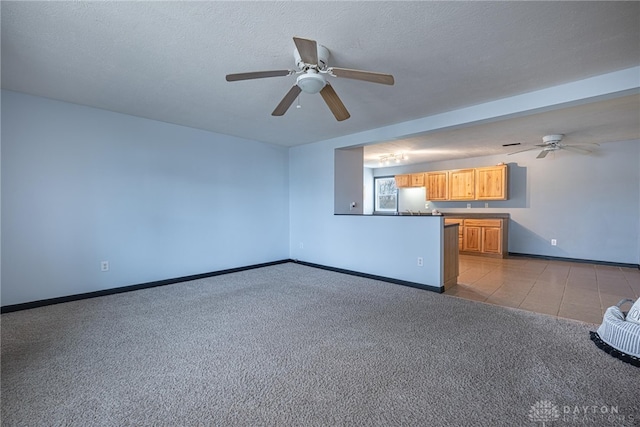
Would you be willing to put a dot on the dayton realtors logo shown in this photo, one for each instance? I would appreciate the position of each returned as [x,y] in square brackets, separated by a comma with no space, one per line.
[545,411]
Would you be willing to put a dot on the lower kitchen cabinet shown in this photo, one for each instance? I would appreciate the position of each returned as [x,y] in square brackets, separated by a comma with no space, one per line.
[491,240]
[471,239]
[479,236]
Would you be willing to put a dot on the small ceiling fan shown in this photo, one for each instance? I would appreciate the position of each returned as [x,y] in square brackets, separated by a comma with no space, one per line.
[312,71]
[554,143]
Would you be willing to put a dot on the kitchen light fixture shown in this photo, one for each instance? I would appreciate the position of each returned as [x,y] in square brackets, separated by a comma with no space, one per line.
[388,158]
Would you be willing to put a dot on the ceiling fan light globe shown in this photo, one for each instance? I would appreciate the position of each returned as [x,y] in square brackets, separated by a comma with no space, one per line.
[311,82]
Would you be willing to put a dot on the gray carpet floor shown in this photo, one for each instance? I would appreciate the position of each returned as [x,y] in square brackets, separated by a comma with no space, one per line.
[295,345]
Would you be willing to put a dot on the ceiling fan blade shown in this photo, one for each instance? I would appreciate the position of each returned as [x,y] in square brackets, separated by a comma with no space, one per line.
[543,154]
[576,149]
[257,75]
[308,50]
[593,144]
[368,76]
[335,104]
[522,151]
[286,102]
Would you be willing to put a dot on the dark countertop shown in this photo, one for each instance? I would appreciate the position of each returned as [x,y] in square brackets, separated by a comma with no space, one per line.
[461,215]
[445,215]
[475,215]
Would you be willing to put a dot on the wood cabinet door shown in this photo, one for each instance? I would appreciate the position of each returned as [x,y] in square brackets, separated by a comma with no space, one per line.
[462,184]
[471,239]
[403,181]
[491,183]
[417,180]
[491,240]
[437,183]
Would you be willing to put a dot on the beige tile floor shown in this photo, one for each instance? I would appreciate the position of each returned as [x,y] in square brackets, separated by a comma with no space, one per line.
[570,290]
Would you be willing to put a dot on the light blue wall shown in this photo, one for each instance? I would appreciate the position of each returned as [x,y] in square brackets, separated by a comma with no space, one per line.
[589,203]
[81,185]
[603,227]
[385,246]
[158,201]
[348,191]
[367,197]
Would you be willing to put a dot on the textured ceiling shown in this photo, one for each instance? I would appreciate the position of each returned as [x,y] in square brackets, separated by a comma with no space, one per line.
[168,60]
[598,122]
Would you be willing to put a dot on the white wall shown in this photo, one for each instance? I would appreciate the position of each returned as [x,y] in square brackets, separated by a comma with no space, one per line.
[589,203]
[82,185]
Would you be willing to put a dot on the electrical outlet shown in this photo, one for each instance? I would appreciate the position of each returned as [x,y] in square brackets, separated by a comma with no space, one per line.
[301,245]
[420,261]
[104,266]
[468,205]
[554,242]
[486,204]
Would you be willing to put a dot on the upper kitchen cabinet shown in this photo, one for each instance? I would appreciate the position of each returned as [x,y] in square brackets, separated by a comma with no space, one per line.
[491,183]
[417,180]
[410,180]
[437,184]
[486,183]
[462,184]
[403,181]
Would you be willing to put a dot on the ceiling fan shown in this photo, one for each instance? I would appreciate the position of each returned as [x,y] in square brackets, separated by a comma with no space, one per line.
[312,71]
[554,143]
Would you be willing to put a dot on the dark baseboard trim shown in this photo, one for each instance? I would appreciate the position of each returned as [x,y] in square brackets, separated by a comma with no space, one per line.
[585,261]
[374,277]
[104,292]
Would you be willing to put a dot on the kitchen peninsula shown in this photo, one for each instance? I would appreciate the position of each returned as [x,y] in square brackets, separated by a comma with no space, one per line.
[481,234]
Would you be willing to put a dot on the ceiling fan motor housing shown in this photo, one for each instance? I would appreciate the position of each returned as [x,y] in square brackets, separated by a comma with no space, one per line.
[552,139]
[323,58]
